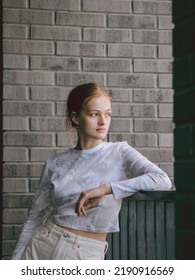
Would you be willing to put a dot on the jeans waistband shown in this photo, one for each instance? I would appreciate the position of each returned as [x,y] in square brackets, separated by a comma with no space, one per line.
[58,231]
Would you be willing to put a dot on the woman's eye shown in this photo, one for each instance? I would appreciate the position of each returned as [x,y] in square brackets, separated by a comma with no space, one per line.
[94,115]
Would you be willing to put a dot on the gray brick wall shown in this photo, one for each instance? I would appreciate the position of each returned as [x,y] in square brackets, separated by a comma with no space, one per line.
[52,46]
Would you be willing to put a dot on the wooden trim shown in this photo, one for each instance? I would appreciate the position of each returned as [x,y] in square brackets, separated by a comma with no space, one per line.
[153,195]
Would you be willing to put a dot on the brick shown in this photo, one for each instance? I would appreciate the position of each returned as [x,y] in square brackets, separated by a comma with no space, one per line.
[28,16]
[41,155]
[107,6]
[15,185]
[131,51]
[56,33]
[131,80]
[33,184]
[15,92]
[165,22]
[15,62]
[165,81]
[15,123]
[68,5]
[28,139]
[131,21]
[7,248]
[135,140]
[74,79]
[61,109]
[152,7]
[81,49]
[29,77]
[152,65]
[67,139]
[50,93]
[120,94]
[22,170]
[47,124]
[154,126]
[107,65]
[165,51]
[17,200]
[15,154]
[55,63]
[120,125]
[127,110]
[165,110]
[28,108]
[15,31]
[28,47]
[157,155]
[168,168]
[11,232]
[107,35]
[80,19]
[153,95]
[16,217]
[152,36]
[166,140]
[15,3]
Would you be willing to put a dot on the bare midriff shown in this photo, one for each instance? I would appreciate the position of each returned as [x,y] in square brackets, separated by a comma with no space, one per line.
[101,236]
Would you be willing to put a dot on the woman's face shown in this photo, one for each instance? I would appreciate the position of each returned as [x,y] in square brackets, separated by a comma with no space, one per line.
[94,120]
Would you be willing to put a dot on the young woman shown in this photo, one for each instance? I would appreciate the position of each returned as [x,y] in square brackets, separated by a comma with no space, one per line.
[79,195]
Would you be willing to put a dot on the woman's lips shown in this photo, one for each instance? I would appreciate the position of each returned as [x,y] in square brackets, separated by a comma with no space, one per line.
[101,130]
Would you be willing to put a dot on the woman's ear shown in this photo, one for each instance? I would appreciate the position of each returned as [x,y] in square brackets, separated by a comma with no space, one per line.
[74,119]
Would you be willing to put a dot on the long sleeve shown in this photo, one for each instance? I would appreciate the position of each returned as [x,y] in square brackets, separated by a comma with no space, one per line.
[140,172]
[37,214]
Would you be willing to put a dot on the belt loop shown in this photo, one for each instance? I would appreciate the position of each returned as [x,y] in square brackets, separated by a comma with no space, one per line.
[76,243]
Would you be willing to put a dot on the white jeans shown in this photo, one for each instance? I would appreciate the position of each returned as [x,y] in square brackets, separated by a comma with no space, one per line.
[52,242]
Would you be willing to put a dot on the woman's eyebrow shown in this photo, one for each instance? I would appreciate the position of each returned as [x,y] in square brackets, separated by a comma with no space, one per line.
[98,110]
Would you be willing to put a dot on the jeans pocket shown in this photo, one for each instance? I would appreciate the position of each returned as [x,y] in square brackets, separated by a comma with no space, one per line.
[91,252]
[63,250]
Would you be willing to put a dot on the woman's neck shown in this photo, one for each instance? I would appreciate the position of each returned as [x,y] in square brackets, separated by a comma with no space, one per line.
[84,145]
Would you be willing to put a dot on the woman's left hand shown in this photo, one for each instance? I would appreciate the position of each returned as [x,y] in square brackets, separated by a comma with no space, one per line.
[90,198]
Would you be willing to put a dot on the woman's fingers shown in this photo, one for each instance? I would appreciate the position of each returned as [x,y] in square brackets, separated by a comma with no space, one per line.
[90,198]
[82,210]
[91,202]
[84,203]
[79,205]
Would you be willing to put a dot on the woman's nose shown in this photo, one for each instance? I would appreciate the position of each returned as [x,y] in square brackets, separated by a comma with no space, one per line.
[101,120]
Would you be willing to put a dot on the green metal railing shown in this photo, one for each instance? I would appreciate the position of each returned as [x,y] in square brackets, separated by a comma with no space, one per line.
[147,228]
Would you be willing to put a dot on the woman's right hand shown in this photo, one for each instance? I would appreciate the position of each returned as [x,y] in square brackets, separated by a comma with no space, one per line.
[90,198]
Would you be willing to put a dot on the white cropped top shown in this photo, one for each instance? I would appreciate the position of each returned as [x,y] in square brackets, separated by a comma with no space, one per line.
[67,174]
